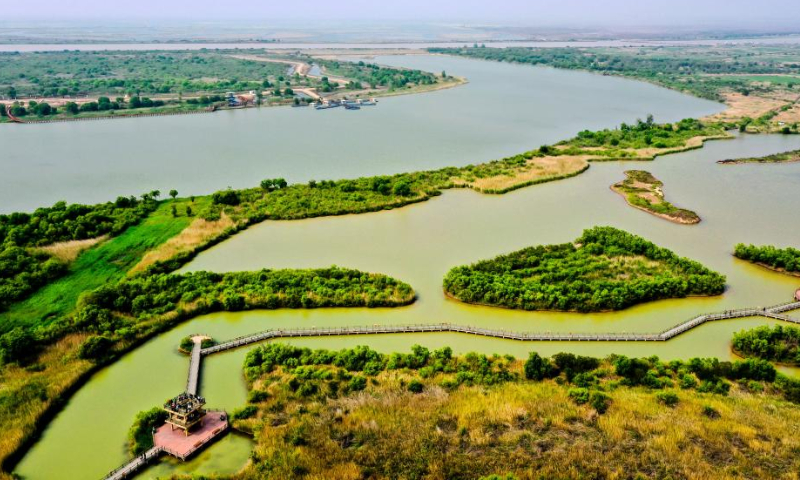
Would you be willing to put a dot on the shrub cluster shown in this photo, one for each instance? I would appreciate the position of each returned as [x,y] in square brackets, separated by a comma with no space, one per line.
[787,259]
[605,269]
[779,343]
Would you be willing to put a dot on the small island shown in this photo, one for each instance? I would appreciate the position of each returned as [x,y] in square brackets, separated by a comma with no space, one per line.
[785,157]
[779,344]
[644,191]
[783,260]
[605,269]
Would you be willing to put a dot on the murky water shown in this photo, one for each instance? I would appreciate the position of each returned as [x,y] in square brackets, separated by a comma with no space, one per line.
[418,244]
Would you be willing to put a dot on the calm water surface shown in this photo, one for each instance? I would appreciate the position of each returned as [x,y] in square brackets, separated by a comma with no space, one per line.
[418,244]
[504,110]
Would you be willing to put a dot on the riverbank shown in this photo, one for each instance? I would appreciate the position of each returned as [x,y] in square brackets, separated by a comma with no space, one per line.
[643,191]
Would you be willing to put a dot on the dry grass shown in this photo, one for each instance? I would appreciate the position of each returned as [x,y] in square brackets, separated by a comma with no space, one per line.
[67,252]
[530,429]
[26,393]
[753,106]
[789,116]
[197,233]
[536,169]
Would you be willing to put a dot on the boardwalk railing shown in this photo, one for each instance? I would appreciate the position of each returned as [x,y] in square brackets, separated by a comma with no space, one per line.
[194,367]
[130,468]
[774,312]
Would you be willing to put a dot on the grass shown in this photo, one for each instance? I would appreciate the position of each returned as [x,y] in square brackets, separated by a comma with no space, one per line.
[644,191]
[531,429]
[107,262]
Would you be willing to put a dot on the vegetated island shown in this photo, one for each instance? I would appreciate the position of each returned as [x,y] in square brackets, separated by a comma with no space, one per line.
[777,344]
[644,191]
[783,260]
[358,413]
[785,157]
[605,269]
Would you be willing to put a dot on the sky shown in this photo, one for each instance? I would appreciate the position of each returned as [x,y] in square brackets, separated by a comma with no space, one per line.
[734,13]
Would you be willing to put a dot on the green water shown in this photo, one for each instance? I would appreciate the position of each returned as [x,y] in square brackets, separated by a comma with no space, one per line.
[418,244]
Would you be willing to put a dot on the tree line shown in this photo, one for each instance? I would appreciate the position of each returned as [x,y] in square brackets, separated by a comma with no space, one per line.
[779,343]
[604,269]
[785,259]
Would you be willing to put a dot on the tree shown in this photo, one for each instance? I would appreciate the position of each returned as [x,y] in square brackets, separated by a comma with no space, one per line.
[189,212]
[536,367]
[16,345]
[155,193]
[174,211]
[71,107]
[173,193]
[95,347]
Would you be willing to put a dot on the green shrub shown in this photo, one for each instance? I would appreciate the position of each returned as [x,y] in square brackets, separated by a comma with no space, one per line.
[141,433]
[669,399]
[248,411]
[415,386]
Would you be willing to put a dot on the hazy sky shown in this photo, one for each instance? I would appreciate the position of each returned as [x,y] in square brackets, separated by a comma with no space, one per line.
[741,13]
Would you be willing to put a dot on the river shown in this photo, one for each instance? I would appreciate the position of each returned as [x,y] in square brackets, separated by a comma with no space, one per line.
[504,110]
[419,243]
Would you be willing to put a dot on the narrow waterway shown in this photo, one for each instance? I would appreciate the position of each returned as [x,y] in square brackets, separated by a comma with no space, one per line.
[504,110]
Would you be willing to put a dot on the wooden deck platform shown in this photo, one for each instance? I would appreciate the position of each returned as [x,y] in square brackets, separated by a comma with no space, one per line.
[179,445]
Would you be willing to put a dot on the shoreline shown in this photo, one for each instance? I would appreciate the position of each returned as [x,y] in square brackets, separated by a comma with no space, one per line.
[655,214]
[770,268]
[413,91]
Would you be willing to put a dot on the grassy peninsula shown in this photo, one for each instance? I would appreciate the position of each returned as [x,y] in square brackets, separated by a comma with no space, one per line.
[785,157]
[644,191]
[358,413]
[777,344]
[36,248]
[784,260]
[604,269]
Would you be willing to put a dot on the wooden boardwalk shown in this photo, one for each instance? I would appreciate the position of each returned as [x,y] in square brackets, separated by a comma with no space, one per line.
[774,312]
[194,365]
[129,469]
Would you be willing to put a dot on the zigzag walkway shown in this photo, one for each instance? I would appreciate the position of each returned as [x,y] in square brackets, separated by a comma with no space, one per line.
[774,312]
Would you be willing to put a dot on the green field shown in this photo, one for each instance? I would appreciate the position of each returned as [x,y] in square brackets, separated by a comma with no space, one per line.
[105,263]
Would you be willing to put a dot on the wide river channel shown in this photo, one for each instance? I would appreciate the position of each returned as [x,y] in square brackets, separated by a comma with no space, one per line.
[504,109]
